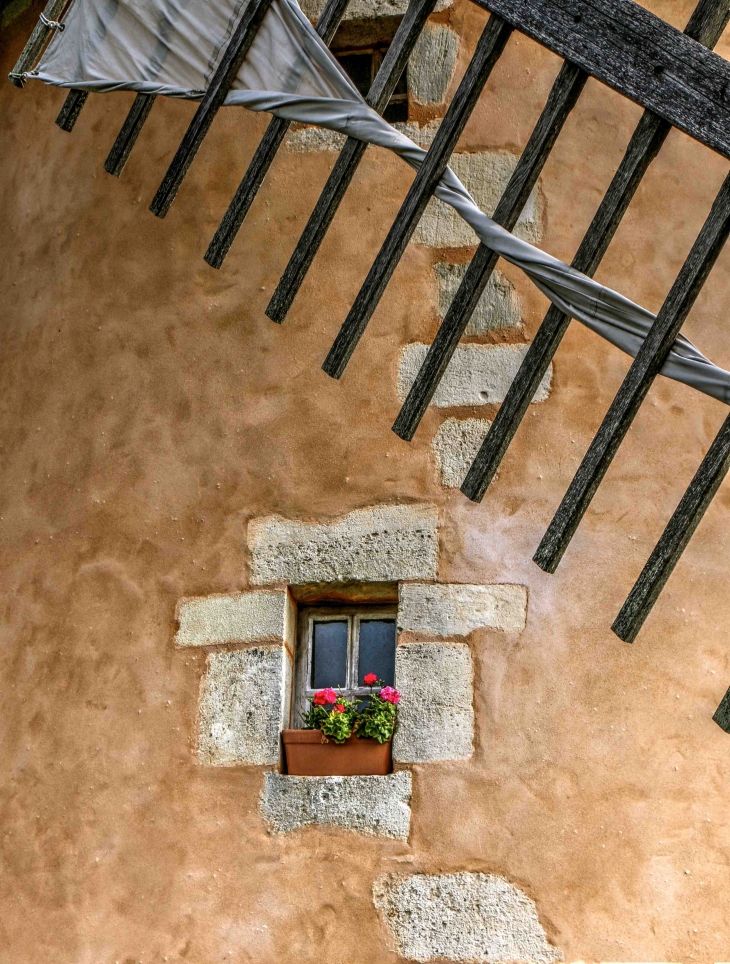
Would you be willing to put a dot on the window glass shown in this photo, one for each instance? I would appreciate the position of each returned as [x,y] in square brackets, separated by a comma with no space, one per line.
[329,654]
[358,68]
[377,650]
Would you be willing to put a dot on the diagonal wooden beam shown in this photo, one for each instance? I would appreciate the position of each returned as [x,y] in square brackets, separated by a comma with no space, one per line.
[350,156]
[706,25]
[489,50]
[563,96]
[68,115]
[680,529]
[722,713]
[644,369]
[127,136]
[263,157]
[37,41]
[212,101]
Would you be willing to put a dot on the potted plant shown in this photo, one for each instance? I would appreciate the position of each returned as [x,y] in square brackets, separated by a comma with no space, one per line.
[343,737]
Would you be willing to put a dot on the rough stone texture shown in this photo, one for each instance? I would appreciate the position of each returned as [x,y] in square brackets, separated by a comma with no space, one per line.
[421,135]
[476,374]
[435,716]
[457,610]
[376,806]
[431,65]
[244,704]
[365,9]
[498,307]
[462,917]
[485,175]
[455,444]
[240,618]
[382,543]
[307,139]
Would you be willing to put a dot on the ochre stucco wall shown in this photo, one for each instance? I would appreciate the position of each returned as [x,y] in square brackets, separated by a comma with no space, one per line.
[149,410]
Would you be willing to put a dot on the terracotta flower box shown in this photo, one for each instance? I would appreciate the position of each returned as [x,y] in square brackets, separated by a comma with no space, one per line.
[309,754]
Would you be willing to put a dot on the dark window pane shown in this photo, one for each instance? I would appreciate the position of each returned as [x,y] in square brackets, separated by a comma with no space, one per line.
[377,650]
[358,68]
[329,655]
[396,113]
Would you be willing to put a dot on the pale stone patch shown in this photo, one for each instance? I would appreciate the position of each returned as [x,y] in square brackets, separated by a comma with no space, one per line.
[384,543]
[435,715]
[431,65]
[485,175]
[455,446]
[376,806]
[498,307]
[476,374]
[307,139]
[421,135]
[365,9]
[462,917]
[457,610]
[238,618]
[244,704]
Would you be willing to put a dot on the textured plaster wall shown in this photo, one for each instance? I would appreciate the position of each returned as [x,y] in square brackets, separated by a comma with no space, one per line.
[150,411]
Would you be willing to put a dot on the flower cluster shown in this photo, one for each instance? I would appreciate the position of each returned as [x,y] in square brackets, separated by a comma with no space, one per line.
[339,718]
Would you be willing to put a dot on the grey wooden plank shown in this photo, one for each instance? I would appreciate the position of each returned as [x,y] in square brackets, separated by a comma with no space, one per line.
[561,100]
[680,529]
[644,369]
[37,41]
[211,103]
[488,51]
[264,155]
[127,136]
[636,53]
[69,113]
[706,25]
[722,713]
[388,75]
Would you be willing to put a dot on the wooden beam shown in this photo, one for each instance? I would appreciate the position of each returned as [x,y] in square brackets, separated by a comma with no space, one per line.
[680,529]
[265,153]
[561,100]
[211,103]
[68,115]
[388,75]
[722,713]
[37,40]
[644,369]
[127,136]
[636,53]
[706,25]
[489,50]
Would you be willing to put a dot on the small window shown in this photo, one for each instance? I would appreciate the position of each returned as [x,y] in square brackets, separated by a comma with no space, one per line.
[338,647]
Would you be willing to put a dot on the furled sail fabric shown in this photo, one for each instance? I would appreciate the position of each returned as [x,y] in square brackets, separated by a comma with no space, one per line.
[172,47]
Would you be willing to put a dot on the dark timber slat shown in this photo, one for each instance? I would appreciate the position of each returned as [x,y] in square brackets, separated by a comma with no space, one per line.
[68,115]
[706,24]
[636,384]
[636,53]
[264,156]
[680,529]
[722,713]
[32,50]
[488,51]
[350,156]
[122,147]
[563,96]
[209,106]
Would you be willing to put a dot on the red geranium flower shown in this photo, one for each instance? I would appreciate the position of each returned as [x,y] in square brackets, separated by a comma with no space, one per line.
[370,679]
[390,694]
[322,697]
[339,708]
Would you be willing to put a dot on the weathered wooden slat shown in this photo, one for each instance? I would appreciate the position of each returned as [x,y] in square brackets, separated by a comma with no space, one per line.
[211,103]
[388,75]
[68,115]
[636,53]
[644,369]
[722,713]
[127,136]
[680,529]
[563,96]
[263,157]
[706,25]
[489,50]
[37,40]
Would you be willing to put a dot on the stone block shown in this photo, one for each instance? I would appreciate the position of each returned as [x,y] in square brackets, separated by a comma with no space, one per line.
[455,445]
[431,65]
[462,917]
[435,716]
[457,610]
[376,806]
[365,9]
[307,139]
[384,543]
[498,307]
[476,374]
[245,617]
[485,175]
[244,705]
